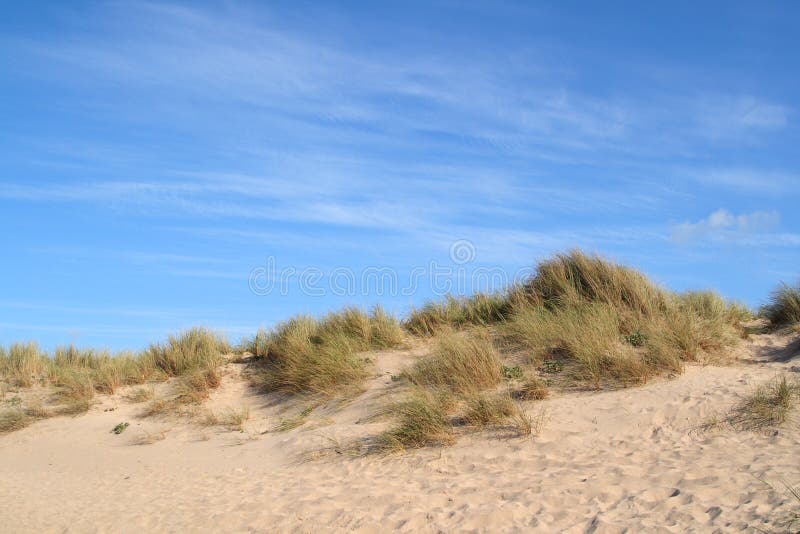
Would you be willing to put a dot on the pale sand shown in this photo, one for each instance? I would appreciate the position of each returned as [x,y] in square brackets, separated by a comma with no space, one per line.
[629,460]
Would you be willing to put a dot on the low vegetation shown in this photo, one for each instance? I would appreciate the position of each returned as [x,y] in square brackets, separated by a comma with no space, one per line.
[77,375]
[322,357]
[480,309]
[454,386]
[462,363]
[294,421]
[231,418]
[600,323]
[422,420]
[768,406]
[579,321]
[784,306]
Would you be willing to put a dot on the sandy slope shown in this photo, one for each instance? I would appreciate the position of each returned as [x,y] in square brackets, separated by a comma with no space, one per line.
[630,460]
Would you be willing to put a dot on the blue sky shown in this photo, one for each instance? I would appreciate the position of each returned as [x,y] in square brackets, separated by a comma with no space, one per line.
[155,155]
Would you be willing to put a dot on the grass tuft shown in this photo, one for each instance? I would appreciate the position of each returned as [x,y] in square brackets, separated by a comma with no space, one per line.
[142,394]
[421,420]
[14,419]
[231,418]
[306,355]
[768,406]
[198,348]
[480,309]
[485,409]
[784,306]
[464,363]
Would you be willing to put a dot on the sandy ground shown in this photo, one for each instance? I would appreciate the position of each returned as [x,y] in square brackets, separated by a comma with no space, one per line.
[633,460]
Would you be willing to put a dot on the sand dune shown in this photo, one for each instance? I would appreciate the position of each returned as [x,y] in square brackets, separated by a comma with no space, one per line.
[630,460]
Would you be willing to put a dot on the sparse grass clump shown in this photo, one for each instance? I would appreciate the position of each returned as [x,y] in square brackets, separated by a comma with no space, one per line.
[532,388]
[784,306]
[142,394]
[767,406]
[18,417]
[306,355]
[292,422]
[231,418]
[464,363]
[14,419]
[421,420]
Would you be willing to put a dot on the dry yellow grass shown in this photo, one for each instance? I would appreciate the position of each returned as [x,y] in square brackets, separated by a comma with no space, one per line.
[767,406]
[231,418]
[480,309]
[305,355]
[784,306]
[142,394]
[464,363]
[484,409]
[421,420]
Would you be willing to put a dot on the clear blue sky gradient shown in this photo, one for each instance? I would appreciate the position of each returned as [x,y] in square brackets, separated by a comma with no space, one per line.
[154,154]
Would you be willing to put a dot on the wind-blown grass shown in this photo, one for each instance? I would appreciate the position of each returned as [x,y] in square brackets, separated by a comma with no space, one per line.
[767,406]
[480,309]
[306,355]
[607,324]
[586,339]
[421,420]
[463,363]
[603,323]
[784,306]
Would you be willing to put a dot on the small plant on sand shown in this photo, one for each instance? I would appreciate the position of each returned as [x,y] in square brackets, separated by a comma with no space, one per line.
[512,373]
[119,428]
[231,418]
[767,406]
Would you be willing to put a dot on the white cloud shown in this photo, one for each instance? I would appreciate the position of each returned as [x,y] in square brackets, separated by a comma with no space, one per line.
[724,225]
